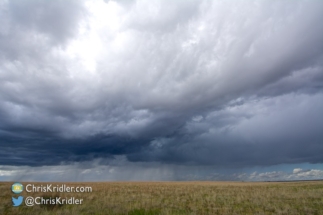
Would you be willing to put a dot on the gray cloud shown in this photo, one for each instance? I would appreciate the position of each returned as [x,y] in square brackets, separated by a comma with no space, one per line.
[228,84]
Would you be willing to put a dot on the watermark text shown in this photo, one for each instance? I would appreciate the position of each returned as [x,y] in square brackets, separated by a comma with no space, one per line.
[63,188]
[31,201]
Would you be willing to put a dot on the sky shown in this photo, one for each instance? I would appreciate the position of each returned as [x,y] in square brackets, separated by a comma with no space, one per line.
[161,90]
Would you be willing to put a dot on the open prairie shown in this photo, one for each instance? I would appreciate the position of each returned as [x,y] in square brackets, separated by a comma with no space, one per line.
[165,198]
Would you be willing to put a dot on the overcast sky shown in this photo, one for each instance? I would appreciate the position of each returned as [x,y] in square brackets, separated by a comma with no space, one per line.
[161,90]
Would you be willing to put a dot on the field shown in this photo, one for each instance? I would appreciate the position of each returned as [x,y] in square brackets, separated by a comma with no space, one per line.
[165,198]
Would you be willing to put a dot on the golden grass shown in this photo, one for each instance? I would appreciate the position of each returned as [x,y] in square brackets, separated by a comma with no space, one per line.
[165,198]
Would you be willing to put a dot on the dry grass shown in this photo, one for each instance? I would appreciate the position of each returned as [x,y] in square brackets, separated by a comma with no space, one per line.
[165,198]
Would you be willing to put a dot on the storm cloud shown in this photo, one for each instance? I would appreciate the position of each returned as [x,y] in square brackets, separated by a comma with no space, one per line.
[192,83]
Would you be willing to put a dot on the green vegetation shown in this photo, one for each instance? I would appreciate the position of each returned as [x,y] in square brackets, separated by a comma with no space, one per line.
[181,198]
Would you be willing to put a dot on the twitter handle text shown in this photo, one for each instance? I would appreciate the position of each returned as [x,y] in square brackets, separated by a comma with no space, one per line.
[31,201]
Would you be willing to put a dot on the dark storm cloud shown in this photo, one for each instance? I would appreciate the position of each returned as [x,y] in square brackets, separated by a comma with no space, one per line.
[228,84]
[237,136]
[47,150]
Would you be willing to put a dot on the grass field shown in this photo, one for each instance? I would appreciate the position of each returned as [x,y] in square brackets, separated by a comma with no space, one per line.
[148,198]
